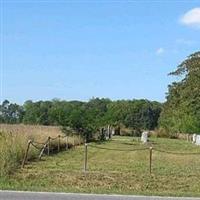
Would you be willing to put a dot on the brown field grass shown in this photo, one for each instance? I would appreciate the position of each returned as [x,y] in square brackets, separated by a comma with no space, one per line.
[14,139]
[32,132]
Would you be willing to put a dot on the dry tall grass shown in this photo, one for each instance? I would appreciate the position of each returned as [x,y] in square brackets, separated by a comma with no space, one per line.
[33,132]
[14,139]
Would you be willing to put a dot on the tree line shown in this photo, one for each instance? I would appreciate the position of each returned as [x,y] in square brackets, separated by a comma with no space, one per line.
[179,114]
[84,116]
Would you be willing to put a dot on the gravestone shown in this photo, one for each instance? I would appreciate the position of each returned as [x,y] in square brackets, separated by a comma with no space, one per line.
[144,137]
[113,131]
[194,138]
[107,130]
[197,140]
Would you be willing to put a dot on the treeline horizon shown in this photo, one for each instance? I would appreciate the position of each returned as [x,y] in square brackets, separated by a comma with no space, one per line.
[84,116]
[179,114]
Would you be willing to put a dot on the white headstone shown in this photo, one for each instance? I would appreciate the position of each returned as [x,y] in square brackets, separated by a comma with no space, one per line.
[194,138]
[107,133]
[113,131]
[144,137]
[197,140]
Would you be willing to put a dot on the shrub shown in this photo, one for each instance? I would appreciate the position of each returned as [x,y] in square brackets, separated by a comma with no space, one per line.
[161,133]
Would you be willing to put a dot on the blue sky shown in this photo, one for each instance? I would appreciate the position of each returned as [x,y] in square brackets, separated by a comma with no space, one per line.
[84,49]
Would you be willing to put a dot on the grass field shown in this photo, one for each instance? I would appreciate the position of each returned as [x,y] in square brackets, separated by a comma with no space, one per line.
[109,171]
[14,139]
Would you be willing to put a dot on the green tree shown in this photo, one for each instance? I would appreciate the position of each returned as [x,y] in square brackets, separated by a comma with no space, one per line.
[11,113]
[181,112]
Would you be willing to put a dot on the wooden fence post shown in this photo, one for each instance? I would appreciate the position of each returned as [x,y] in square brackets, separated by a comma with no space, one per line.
[58,143]
[66,141]
[48,147]
[86,157]
[73,142]
[150,159]
[42,151]
[26,153]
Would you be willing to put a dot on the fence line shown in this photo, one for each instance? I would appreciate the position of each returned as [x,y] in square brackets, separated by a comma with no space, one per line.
[45,146]
[177,153]
[114,149]
[42,143]
[155,149]
[54,138]
[151,149]
[38,148]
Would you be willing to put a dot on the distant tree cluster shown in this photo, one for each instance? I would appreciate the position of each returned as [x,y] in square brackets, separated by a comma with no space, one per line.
[11,113]
[85,117]
[181,112]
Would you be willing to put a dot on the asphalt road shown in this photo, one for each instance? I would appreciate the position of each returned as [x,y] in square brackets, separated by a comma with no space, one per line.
[9,195]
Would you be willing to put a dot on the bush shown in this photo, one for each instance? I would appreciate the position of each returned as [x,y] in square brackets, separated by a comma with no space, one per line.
[126,132]
[161,133]
[136,133]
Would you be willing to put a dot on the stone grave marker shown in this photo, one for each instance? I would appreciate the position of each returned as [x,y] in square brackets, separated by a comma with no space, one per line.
[194,138]
[197,140]
[144,137]
[113,131]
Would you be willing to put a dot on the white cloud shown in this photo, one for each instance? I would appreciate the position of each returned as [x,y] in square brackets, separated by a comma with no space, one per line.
[160,51]
[191,18]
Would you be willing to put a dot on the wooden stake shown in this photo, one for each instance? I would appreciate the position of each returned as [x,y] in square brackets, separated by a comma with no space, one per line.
[42,151]
[58,143]
[73,142]
[85,158]
[48,147]
[66,142]
[26,153]
[150,159]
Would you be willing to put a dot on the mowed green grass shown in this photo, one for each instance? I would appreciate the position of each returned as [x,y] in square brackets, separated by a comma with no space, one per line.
[113,171]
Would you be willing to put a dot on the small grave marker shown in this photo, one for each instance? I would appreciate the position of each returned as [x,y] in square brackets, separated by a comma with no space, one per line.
[194,138]
[144,137]
[197,140]
[113,131]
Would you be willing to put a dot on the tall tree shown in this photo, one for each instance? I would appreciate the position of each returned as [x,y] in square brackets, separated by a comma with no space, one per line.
[181,112]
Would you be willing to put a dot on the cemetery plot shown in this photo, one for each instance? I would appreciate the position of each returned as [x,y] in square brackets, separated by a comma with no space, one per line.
[116,166]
